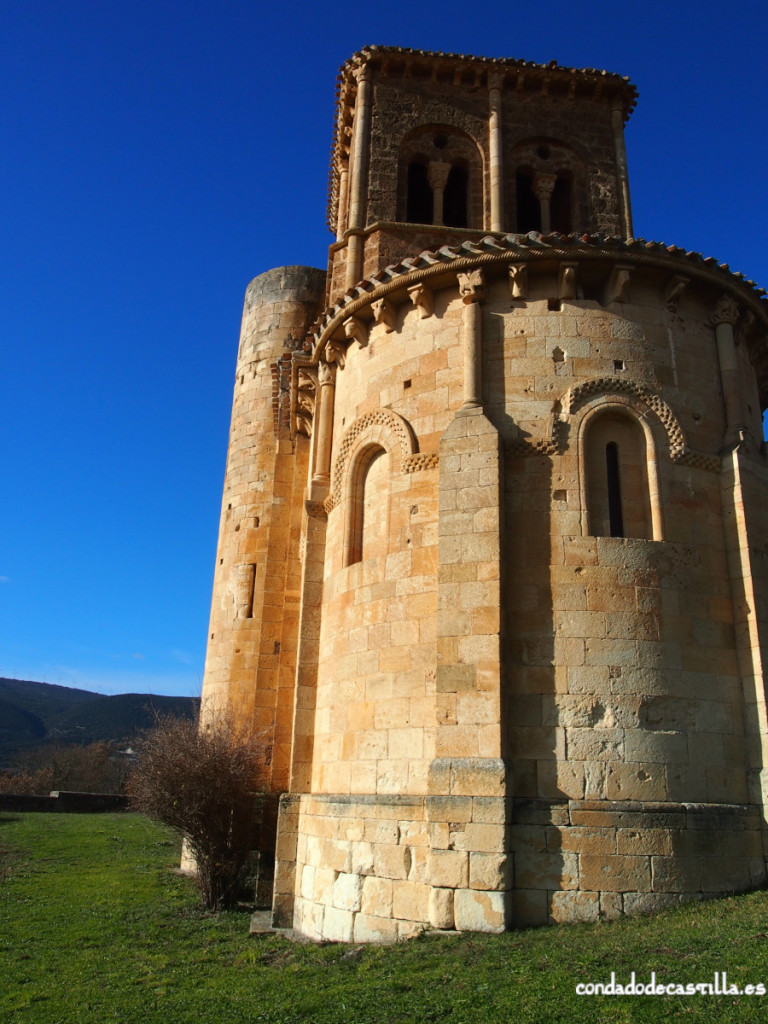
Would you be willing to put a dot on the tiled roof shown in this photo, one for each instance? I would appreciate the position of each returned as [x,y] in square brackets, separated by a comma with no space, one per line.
[535,246]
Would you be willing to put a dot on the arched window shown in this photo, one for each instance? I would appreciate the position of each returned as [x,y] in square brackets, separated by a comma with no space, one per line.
[616,469]
[369,519]
[455,197]
[561,203]
[528,209]
[550,187]
[440,178]
[419,209]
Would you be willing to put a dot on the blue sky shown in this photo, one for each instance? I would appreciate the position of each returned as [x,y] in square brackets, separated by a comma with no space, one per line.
[158,155]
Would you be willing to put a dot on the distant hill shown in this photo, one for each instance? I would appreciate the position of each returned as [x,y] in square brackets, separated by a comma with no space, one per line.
[34,713]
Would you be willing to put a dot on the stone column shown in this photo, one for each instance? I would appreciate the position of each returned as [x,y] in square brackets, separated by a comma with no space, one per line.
[341,217]
[472,291]
[723,319]
[495,82]
[358,184]
[617,117]
[543,186]
[326,387]
[437,176]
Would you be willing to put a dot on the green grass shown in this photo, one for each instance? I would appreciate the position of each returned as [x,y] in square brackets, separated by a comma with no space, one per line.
[95,927]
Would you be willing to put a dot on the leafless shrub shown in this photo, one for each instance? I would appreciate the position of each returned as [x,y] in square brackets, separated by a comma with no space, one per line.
[204,783]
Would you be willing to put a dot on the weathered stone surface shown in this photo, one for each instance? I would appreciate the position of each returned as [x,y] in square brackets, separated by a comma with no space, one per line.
[441,908]
[574,906]
[476,911]
[448,868]
[347,891]
[490,871]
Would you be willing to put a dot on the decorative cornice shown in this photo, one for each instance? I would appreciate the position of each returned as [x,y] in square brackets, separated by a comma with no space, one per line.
[528,250]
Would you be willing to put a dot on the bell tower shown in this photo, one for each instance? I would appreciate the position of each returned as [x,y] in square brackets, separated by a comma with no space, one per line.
[433,149]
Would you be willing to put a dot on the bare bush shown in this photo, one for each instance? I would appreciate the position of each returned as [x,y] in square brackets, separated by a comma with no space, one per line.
[205,783]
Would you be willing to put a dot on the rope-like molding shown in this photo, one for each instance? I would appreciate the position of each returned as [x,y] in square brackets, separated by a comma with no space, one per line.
[422,460]
[494,250]
[383,425]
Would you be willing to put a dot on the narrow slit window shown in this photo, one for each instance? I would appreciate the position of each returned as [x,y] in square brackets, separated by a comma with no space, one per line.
[615,514]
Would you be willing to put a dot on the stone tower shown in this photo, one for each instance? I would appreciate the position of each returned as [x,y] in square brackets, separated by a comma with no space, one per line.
[492,577]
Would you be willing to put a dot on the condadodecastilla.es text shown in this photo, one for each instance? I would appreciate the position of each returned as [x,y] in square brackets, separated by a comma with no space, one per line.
[718,987]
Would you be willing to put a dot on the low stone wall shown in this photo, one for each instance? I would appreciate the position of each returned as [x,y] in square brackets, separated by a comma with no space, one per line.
[381,868]
[581,860]
[62,802]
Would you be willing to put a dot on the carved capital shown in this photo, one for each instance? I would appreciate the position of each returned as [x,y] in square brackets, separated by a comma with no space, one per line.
[543,186]
[384,312]
[326,374]
[495,79]
[471,286]
[518,281]
[423,299]
[725,312]
[362,74]
[356,330]
[437,173]
[315,509]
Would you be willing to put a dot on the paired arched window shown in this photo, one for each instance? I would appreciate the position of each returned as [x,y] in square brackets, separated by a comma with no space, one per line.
[549,187]
[440,179]
[618,480]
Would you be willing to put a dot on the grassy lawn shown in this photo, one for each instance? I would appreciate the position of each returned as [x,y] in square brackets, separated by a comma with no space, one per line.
[94,926]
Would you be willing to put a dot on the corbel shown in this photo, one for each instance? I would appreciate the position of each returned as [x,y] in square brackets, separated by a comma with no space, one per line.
[675,289]
[518,280]
[617,289]
[566,281]
[356,330]
[423,299]
[335,352]
[384,312]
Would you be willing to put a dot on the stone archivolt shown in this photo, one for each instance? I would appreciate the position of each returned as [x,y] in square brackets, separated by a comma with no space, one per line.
[385,427]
